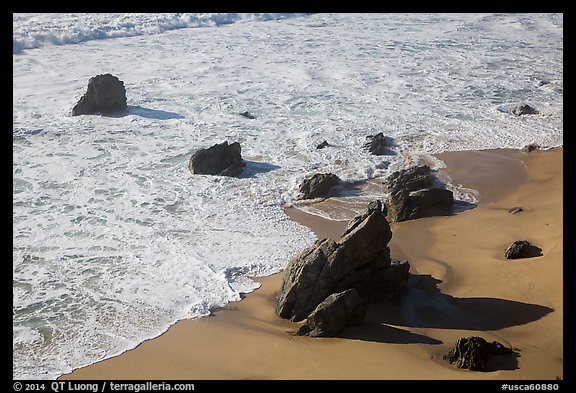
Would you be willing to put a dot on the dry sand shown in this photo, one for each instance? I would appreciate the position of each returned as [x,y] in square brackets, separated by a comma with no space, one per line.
[460,286]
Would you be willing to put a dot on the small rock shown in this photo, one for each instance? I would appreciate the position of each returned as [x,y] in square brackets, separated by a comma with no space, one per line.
[319,185]
[247,115]
[337,311]
[322,145]
[473,353]
[524,110]
[377,144]
[518,249]
[105,94]
[531,147]
[515,210]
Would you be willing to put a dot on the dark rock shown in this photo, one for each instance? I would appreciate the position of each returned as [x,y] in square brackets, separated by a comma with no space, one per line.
[377,144]
[105,94]
[247,115]
[518,249]
[411,196]
[360,259]
[337,311]
[322,145]
[496,348]
[531,147]
[411,179]
[515,210]
[319,185]
[473,353]
[221,159]
[524,110]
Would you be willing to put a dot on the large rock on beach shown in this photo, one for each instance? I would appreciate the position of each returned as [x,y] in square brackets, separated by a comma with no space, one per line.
[105,94]
[221,159]
[318,186]
[360,260]
[335,313]
[524,110]
[412,195]
[377,144]
[473,353]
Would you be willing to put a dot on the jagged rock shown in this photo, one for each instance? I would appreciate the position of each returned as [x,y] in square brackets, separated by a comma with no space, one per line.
[360,259]
[377,144]
[518,249]
[411,179]
[322,145]
[247,115]
[411,195]
[473,353]
[105,94]
[319,185]
[337,311]
[524,110]
[515,210]
[531,147]
[221,159]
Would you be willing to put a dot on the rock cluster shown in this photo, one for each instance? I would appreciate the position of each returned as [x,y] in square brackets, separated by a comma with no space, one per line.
[360,260]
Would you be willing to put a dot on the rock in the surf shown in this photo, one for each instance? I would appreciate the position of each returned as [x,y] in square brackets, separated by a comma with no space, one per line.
[337,311]
[318,186]
[530,147]
[377,144]
[247,115]
[360,259]
[518,249]
[322,145]
[524,110]
[472,353]
[105,94]
[412,195]
[221,159]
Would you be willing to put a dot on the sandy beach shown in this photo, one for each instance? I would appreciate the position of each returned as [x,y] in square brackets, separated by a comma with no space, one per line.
[460,285]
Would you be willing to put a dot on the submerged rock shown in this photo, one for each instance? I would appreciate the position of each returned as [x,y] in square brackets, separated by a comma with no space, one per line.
[473,353]
[337,311]
[377,144]
[247,115]
[524,110]
[319,185]
[515,210]
[105,94]
[221,159]
[412,195]
[360,260]
[518,249]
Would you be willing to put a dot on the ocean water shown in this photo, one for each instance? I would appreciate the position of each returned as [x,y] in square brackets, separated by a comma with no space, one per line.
[114,240]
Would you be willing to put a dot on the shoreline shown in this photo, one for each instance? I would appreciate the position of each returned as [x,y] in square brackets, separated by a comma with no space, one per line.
[246,340]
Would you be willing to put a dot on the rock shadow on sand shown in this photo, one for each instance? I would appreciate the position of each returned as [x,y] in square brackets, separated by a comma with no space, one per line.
[373,330]
[423,305]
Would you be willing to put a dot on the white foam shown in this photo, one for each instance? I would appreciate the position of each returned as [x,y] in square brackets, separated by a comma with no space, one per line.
[38,30]
[114,239]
